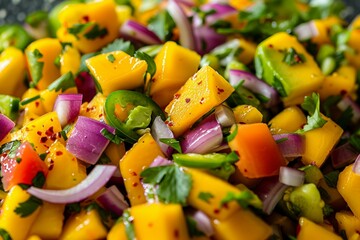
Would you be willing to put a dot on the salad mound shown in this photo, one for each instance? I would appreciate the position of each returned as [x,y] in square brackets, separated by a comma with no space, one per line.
[181,119]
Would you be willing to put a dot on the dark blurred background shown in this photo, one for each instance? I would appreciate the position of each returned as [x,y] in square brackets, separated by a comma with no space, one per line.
[15,10]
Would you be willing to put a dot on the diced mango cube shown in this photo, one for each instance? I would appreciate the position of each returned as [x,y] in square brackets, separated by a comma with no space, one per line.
[287,121]
[310,230]
[348,222]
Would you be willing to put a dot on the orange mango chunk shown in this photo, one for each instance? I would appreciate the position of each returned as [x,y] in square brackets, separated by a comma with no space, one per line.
[203,91]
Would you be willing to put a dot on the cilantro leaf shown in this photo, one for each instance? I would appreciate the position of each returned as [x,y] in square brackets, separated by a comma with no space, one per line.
[173,183]
[4,234]
[96,32]
[26,208]
[11,147]
[63,83]
[162,25]
[311,104]
[119,45]
[78,28]
[291,57]
[205,196]
[129,226]
[111,58]
[192,227]
[151,66]
[244,199]
[111,137]
[39,180]
[172,142]
[35,66]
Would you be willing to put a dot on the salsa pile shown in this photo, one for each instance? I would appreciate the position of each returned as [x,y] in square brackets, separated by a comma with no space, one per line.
[181,119]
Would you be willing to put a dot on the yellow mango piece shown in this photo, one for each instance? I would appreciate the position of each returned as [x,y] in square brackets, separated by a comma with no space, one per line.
[241,4]
[123,13]
[168,78]
[100,21]
[348,222]
[70,60]
[353,42]
[333,198]
[165,221]
[115,152]
[84,225]
[117,70]
[49,222]
[33,237]
[95,108]
[131,165]
[63,165]
[310,230]
[50,49]
[203,91]
[242,224]
[349,187]
[247,114]
[295,81]
[287,121]
[18,227]
[218,188]
[42,131]
[339,83]
[320,141]
[12,68]
[117,232]
[35,107]
[247,54]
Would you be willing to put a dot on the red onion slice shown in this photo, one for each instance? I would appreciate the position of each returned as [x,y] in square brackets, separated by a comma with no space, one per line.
[306,31]
[97,178]
[222,11]
[291,176]
[67,107]
[204,137]
[203,223]
[346,102]
[160,161]
[270,191]
[86,141]
[161,130]
[356,166]
[224,116]
[290,144]
[343,155]
[6,126]
[138,32]
[113,200]
[186,33]
[254,84]
[86,86]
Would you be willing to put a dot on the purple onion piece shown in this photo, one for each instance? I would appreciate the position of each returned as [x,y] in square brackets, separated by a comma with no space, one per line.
[203,223]
[86,141]
[138,32]
[113,200]
[306,31]
[343,155]
[6,126]
[160,161]
[182,22]
[356,166]
[204,137]
[86,86]
[67,107]
[97,178]
[291,176]
[161,130]
[251,82]
[290,144]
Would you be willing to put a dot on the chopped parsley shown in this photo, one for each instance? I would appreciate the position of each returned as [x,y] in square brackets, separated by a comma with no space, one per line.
[311,104]
[35,66]
[29,100]
[192,227]
[95,30]
[63,83]
[39,180]
[173,184]
[172,142]
[119,45]
[292,57]
[26,208]
[111,137]
[129,226]
[10,147]
[111,58]
[205,196]
[4,234]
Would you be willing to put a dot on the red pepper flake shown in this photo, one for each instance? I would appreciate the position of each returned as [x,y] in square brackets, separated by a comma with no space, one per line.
[50,131]
[53,137]
[59,153]
[177,95]
[39,133]
[51,119]
[51,166]
[216,211]
[150,224]
[343,92]
[202,100]
[176,233]
[225,205]
[134,174]
[271,46]
[220,90]
[187,100]
[43,139]
[37,103]
[199,83]
[86,18]
[169,123]
[135,184]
